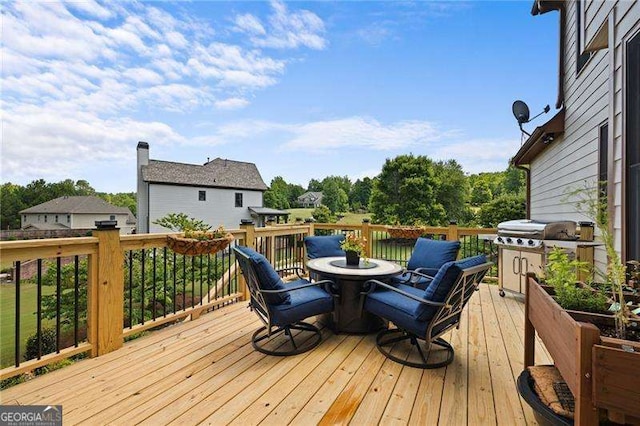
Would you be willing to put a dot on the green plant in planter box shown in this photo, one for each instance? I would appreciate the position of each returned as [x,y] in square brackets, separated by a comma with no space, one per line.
[562,274]
[592,201]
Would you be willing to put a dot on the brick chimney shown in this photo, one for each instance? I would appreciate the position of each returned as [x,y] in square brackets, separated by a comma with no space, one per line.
[142,226]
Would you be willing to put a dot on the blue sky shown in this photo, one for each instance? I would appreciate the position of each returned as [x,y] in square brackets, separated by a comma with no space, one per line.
[302,89]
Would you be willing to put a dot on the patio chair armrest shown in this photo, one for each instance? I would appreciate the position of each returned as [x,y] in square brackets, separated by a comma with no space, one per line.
[375,283]
[298,270]
[418,271]
[297,287]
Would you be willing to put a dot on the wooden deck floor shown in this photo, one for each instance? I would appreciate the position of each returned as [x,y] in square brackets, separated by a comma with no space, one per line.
[205,371]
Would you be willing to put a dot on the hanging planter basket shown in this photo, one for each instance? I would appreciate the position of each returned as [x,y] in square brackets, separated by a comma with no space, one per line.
[194,247]
[405,232]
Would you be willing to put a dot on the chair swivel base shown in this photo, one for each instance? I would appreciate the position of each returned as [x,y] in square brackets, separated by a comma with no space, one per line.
[308,338]
[386,340]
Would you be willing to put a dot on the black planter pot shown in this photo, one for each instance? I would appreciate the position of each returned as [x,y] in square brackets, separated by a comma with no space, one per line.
[353,258]
[544,415]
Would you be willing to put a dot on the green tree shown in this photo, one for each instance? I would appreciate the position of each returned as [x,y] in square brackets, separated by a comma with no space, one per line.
[11,202]
[277,196]
[334,197]
[343,183]
[294,192]
[481,193]
[360,193]
[500,209]
[452,190]
[405,192]
[314,185]
[514,180]
[322,214]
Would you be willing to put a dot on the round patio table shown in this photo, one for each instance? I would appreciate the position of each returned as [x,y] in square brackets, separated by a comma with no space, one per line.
[348,316]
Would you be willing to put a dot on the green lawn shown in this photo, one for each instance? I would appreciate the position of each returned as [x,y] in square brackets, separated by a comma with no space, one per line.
[348,219]
[28,308]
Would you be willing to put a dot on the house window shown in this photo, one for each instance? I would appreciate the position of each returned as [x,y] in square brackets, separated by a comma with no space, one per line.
[581,57]
[38,218]
[24,217]
[45,218]
[112,217]
[603,159]
[56,218]
[238,199]
[68,218]
[202,195]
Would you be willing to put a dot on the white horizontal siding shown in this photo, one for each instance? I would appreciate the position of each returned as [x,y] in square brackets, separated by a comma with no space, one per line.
[218,209]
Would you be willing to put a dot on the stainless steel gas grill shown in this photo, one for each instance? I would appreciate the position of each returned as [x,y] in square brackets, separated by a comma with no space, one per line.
[523,245]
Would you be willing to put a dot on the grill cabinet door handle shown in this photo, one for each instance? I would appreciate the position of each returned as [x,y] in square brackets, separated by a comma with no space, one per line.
[526,266]
[513,265]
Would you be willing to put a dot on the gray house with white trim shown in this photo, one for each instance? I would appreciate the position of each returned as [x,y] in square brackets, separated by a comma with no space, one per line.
[76,212]
[595,135]
[219,192]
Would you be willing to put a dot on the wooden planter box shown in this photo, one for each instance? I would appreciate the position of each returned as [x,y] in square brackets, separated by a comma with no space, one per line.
[603,373]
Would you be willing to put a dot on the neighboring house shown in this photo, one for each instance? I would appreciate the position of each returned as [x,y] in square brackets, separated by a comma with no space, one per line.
[595,136]
[220,192]
[310,199]
[76,212]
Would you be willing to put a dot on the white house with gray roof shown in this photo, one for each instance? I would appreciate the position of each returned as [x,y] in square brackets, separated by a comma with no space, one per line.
[76,212]
[219,192]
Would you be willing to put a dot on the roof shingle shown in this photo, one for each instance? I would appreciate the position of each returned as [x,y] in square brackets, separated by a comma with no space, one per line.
[218,173]
[86,204]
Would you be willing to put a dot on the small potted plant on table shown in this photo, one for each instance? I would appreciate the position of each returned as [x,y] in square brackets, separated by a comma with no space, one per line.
[354,247]
[197,237]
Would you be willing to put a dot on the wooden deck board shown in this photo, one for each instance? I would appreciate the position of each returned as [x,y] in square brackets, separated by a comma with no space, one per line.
[206,372]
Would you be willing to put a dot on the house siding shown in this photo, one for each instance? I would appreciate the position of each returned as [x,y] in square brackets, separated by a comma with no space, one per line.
[591,98]
[78,220]
[572,159]
[218,209]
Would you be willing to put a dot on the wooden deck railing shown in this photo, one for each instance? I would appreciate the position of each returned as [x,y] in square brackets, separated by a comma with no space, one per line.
[110,287]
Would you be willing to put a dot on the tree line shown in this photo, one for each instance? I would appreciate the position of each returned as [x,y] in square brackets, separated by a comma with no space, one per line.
[414,190]
[15,198]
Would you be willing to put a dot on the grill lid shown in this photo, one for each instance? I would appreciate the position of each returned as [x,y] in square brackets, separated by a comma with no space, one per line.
[544,230]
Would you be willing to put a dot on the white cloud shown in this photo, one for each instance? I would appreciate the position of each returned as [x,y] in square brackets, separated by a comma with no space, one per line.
[478,155]
[285,30]
[231,103]
[249,24]
[361,132]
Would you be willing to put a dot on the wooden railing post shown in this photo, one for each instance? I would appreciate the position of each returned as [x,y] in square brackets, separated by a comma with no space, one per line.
[366,233]
[249,241]
[452,234]
[110,288]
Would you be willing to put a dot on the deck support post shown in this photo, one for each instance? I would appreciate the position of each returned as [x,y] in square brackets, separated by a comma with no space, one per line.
[109,298]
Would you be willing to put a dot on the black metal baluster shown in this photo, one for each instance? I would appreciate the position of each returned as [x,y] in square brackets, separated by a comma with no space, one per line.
[17,330]
[76,288]
[193,280]
[39,308]
[184,282]
[228,269]
[142,284]
[215,265]
[208,278]
[130,288]
[164,282]
[201,297]
[58,300]
[175,269]
[153,282]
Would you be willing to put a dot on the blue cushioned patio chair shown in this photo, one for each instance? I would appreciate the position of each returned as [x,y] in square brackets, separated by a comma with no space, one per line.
[323,246]
[426,259]
[282,308]
[422,316]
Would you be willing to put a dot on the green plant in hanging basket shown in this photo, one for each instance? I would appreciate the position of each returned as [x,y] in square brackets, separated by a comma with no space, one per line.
[197,237]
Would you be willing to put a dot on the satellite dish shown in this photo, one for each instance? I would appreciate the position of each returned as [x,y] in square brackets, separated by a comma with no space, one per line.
[520,112]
